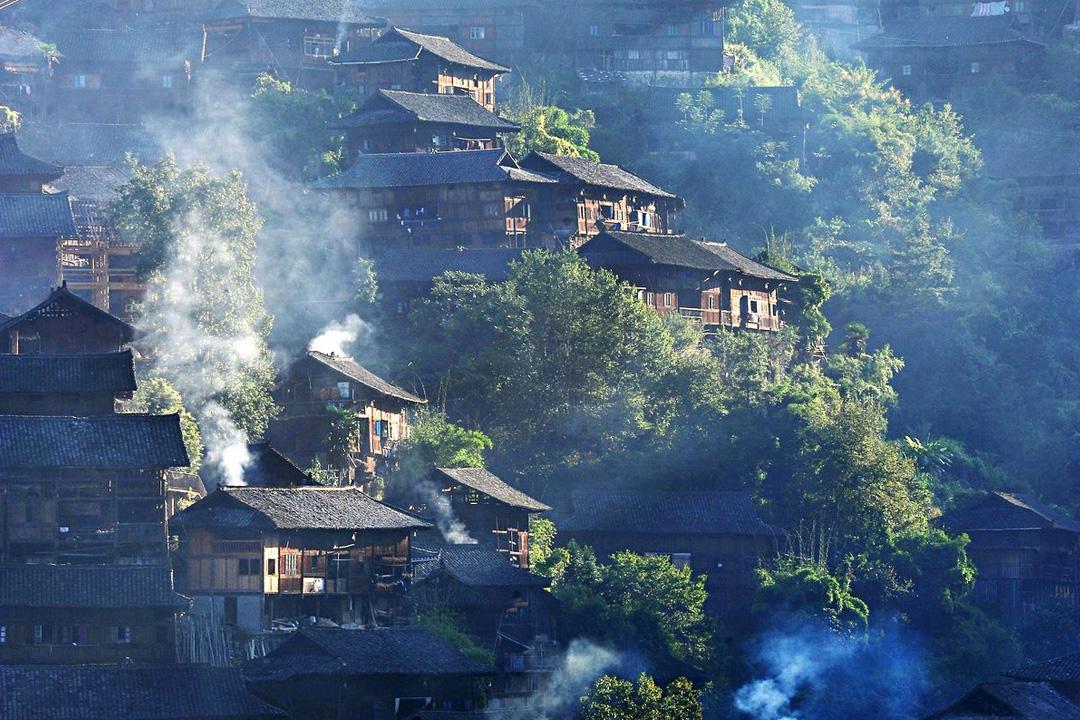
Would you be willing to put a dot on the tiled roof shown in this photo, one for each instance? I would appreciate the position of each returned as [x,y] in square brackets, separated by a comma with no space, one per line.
[109,372]
[89,143]
[61,301]
[592,173]
[480,566]
[18,44]
[13,161]
[36,215]
[1064,669]
[658,512]
[1007,511]
[396,106]
[86,182]
[489,484]
[942,32]
[355,371]
[87,586]
[613,247]
[298,508]
[408,650]
[97,441]
[335,11]
[406,45]
[269,468]
[387,170]
[128,692]
[421,265]
[159,44]
[1015,700]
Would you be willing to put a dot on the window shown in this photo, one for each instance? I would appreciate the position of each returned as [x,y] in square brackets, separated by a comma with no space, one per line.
[231,609]
[166,82]
[680,560]
[753,306]
[650,299]
[905,70]
[477,32]
[492,210]
[288,564]
[78,81]
[378,215]
[672,30]
[39,633]
[249,566]
[271,566]
[314,563]
[711,302]
[669,300]
[976,68]
[633,54]
[594,30]
[318,47]
[3,634]
[122,634]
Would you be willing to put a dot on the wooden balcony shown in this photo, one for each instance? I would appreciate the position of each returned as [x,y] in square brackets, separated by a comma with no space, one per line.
[725,318]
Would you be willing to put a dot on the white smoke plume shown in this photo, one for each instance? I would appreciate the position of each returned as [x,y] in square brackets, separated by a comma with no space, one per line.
[581,666]
[817,674]
[226,444]
[452,529]
[338,338]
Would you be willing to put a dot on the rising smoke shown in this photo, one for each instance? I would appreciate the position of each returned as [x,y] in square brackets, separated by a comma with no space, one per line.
[583,663]
[338,338]
[813,673]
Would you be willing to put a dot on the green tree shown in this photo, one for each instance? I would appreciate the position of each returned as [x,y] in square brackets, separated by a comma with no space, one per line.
[450,626]
[612,698]
[155,396]
[547,127]
[802,587]
[9,119]
[204,310]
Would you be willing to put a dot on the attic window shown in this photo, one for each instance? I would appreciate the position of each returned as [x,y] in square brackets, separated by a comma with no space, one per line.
[905,70]
[477,32]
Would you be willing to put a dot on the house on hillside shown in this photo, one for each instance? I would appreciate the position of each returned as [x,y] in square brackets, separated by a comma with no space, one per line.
[392,121]
[405,60]
[33,224]
[1019,700]
[719,534]
[118,75]
[943,58]
[710,283]
[134,692]
[317,385]
[469,198]
[490,511]
[1026,553]
[82,614]
[64,323]
[494,29]
[292,40]
[588,193]
[252,556]
[389,672]
[1061,673]
[268,468]
[409,274]
[505,607]
[86,489]
[678,43]
[65,384]
[23,72]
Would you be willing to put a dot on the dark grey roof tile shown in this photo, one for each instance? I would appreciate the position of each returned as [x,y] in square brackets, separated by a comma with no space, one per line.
[111,372]
[658,512]
[489,484]
[395,106]
[36,215]
[98,441]
[355,371]
[88,586]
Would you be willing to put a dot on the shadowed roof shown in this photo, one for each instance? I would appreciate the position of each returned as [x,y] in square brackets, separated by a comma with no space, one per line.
[489,484]
[422,265]
[19,44]
[397,106]
[14,162]
[614,247]
[1064,669]
[36,215]
[109,372]
[131,692]
[1007,511]
[399,45]
[475,566]
[1015,700]
[298,508]
[942,32]
[657,512]
[387,170]
[143,45]
[355,371]
[97,441]
[62,302]
[87,586]
[408,650]
[593,173]
[269,468]
[343,11]
[87,182]
[89,143]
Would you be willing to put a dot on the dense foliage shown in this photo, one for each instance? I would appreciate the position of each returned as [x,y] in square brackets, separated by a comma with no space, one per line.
[612,698]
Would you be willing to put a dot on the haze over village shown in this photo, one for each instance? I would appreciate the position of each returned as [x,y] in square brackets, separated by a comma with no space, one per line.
[539,360]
